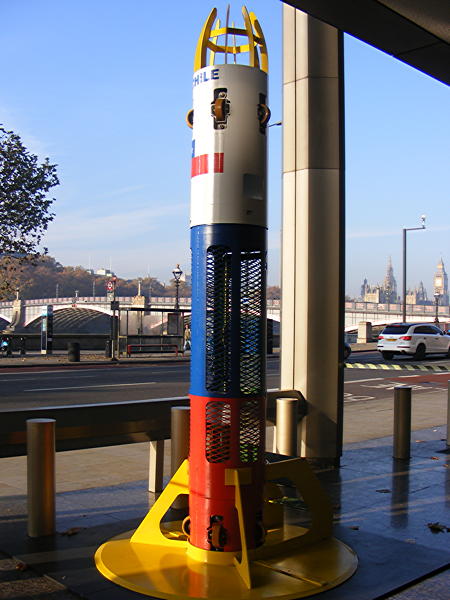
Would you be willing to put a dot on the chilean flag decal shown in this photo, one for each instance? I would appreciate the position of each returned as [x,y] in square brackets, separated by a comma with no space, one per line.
[200,164]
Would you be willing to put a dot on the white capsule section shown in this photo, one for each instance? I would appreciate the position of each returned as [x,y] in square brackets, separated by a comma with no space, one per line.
[228,175]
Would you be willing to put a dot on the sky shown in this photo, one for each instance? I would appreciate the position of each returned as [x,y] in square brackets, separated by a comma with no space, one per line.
[102,88]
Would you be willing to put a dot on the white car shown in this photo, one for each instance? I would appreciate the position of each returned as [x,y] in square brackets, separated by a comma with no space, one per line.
[417,339]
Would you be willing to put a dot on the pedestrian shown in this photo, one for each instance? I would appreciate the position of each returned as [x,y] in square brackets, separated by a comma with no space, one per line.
[187,338]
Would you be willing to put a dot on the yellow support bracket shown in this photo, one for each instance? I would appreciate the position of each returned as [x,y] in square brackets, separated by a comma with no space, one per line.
[149,531]
[157,560]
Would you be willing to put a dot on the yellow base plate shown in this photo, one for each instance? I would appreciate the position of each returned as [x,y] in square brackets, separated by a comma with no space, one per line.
[169,572]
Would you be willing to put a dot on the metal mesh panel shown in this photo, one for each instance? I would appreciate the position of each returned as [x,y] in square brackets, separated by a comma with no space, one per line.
[218,319]
[218,431]
[251,322]
[249,431]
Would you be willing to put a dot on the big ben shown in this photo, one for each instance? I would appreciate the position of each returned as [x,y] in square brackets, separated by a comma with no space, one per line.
[441,284]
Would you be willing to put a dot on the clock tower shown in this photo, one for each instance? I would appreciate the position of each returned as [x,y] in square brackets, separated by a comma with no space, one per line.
[441,284]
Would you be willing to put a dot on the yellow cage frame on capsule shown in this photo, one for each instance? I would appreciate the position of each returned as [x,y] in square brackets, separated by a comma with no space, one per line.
[253,32]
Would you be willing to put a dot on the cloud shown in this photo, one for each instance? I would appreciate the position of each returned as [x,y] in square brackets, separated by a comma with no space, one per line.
[274,239]
[123,191]
[35,145]
[84,227]
[370,234]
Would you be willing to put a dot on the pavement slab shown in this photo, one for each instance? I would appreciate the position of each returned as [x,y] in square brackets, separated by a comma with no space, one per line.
[382,510]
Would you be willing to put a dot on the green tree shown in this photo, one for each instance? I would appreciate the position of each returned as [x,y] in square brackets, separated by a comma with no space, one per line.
[273,292]
[24,205]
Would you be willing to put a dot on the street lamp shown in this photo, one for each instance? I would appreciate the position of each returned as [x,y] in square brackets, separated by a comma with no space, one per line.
[177,273]
[405,230]
[436,300]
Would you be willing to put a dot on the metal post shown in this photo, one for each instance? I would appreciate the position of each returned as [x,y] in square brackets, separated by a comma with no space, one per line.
[448,414]
[404,276]
[402,422]
[436,300]
[179,422]
[286,429]
[405,230]
[156,466]
[41,476]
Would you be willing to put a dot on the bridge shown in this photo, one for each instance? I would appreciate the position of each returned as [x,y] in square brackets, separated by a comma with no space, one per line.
[90,312]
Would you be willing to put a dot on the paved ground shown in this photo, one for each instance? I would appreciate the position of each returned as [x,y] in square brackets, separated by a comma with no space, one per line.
[382,510]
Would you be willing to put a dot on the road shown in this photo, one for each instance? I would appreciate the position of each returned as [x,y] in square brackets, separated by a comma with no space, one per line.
[365,384]
[26,388]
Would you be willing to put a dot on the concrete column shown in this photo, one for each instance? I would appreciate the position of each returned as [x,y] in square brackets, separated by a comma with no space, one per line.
[364,332]
[313,230]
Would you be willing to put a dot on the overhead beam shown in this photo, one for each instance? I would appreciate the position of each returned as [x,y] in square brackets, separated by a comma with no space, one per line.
[413,31]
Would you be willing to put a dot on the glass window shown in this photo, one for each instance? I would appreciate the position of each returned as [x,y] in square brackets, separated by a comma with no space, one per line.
[396,329]
[435,330]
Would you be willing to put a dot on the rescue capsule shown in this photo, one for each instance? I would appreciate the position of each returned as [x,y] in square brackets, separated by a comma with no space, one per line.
[228,242]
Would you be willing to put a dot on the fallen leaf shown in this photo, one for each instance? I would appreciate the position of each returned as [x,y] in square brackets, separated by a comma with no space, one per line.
[420,441]
[437,527]
[72,531]
[434,458]
[355,527]
[21,566]
[383,491]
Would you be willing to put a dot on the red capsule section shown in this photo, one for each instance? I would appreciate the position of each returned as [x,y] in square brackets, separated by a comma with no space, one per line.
[226,433]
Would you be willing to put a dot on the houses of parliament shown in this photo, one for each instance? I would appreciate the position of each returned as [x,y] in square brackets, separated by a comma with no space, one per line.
[386,293]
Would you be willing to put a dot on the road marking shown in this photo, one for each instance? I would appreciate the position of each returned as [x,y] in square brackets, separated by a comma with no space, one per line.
[371,379]
[37,378]
[354,398]
[390,387]
[378,379]
[404,367]
[83,387]
[36,372]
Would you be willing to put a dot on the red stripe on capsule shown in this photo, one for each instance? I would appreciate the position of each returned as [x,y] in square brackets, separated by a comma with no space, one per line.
[199,165]
[218,162]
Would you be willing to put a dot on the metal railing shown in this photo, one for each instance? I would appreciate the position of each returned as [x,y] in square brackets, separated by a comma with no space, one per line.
[82,426]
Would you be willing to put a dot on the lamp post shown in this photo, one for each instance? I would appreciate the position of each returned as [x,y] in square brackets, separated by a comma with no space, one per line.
[177,273]
[405,230]
[436,300]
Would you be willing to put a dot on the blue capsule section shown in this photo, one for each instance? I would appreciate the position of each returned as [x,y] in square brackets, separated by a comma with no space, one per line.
[228,328]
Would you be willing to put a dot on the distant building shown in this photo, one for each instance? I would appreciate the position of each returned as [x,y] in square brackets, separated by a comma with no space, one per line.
[441,284]
[104,273]
[386,293]
[418,295]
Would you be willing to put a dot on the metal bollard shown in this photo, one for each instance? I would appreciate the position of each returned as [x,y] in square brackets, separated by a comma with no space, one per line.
[286,429]
[41,476]
[179,423]
[448,413]
[156,466]
[402,422]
